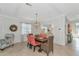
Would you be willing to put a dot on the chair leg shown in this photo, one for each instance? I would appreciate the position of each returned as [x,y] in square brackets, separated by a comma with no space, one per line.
[34,48]
[52,51]
[40,47]
[2,49]
[27,44]
[40,50]
[30,46]
[47,54]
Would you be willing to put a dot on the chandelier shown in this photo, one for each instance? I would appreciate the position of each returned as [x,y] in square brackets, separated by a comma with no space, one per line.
[37,23]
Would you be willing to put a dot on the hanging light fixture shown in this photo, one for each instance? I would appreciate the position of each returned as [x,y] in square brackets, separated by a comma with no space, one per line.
[37,23]
[36,15]
[36,18]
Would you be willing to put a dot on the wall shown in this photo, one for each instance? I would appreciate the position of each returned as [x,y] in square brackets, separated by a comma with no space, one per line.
[5,22]
[1,28]
[59,29]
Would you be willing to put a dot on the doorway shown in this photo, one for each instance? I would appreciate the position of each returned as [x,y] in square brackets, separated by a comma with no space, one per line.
[75,36]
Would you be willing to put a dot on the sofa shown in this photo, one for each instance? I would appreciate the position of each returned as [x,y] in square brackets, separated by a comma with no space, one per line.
[7,41]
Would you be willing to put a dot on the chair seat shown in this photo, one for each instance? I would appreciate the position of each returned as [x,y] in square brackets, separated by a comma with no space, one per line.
[36,43]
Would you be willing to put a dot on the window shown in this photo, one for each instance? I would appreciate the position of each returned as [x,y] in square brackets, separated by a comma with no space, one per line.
[26,28]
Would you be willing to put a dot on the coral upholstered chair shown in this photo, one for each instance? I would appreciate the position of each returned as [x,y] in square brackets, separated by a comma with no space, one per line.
[28,40]
[43,35]
[32,41]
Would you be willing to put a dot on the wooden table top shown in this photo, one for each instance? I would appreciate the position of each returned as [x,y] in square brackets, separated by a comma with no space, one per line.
[41,40]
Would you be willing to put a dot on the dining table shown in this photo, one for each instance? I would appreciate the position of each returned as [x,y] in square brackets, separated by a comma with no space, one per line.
[41,40]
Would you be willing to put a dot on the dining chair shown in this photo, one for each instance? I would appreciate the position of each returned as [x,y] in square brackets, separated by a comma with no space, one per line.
[43,35]
[33,42]
[28,40]
[48,46]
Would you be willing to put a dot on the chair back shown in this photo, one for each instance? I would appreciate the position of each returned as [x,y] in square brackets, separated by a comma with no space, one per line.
[32,39]
[48,46]
[43,35]
[50,42]
[29,38]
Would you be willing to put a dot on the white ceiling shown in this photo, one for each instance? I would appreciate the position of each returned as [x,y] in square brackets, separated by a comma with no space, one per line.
[45,10]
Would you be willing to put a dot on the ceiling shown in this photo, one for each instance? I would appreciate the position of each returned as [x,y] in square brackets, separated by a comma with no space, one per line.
[45,10]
